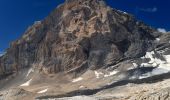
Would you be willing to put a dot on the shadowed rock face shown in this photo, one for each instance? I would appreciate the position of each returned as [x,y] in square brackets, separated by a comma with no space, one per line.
[77,35]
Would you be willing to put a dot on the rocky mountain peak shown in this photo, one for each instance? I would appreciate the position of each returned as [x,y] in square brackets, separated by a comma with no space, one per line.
[86,2]
[78,35]
[83,42]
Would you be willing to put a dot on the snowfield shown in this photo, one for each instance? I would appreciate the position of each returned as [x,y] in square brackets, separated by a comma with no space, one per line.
[77,79]
[27,83]
[29,72]
[98,74]
[43,91]
[111,73]
[161,66]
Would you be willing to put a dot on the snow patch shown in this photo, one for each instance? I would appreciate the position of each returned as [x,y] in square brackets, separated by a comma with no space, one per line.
[77,98]
[161,67]
[77,79]
[130,68]
[30,71]
[43,91]
[146,65]
[81,87]
[135,65]
[156,71]
[98,74]
[153,60]
[27,83]
[37,22]
[158,39]
[111,73]
[123,12]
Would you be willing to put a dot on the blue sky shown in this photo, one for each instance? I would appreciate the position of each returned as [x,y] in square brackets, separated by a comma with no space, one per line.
[17,15]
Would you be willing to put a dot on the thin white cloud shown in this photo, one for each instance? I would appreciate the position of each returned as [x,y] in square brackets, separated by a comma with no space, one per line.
[1,53]
[162,30]
[150,10]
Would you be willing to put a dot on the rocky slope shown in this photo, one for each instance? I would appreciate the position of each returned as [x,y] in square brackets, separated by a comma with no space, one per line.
[80,43]
[79,34]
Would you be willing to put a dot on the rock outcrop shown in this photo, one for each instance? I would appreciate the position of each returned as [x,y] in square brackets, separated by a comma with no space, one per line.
[15,94]
[98,45]
[78,35]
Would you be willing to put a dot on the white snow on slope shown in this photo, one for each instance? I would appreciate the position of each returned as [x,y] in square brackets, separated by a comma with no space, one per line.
[158,39]
[78,98]
[81,87]
[43,91]
[77,79]
[98,74]
[29,71]
[111,73]
[123,12]
[37,22]
[135,65]
[161,66]
[27,83]
[153,60]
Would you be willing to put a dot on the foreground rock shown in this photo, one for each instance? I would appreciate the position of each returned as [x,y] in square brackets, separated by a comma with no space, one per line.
[16,94]
[162,94]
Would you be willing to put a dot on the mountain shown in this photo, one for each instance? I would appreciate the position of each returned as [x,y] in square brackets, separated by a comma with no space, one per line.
[79,34]
[79,43]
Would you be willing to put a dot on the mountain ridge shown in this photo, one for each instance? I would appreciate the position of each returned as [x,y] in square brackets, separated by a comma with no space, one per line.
[80,43]
[73,28]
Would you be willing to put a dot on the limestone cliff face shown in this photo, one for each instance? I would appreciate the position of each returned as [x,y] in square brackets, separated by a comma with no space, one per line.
[78,35]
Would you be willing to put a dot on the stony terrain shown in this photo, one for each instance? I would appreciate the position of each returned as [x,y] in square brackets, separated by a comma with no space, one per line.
[87,50]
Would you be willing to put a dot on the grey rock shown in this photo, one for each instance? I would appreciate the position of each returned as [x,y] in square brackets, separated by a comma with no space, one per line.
[162,94]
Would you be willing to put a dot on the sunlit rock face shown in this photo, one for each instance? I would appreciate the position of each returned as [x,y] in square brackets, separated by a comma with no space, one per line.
[78,35]
[83,42]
